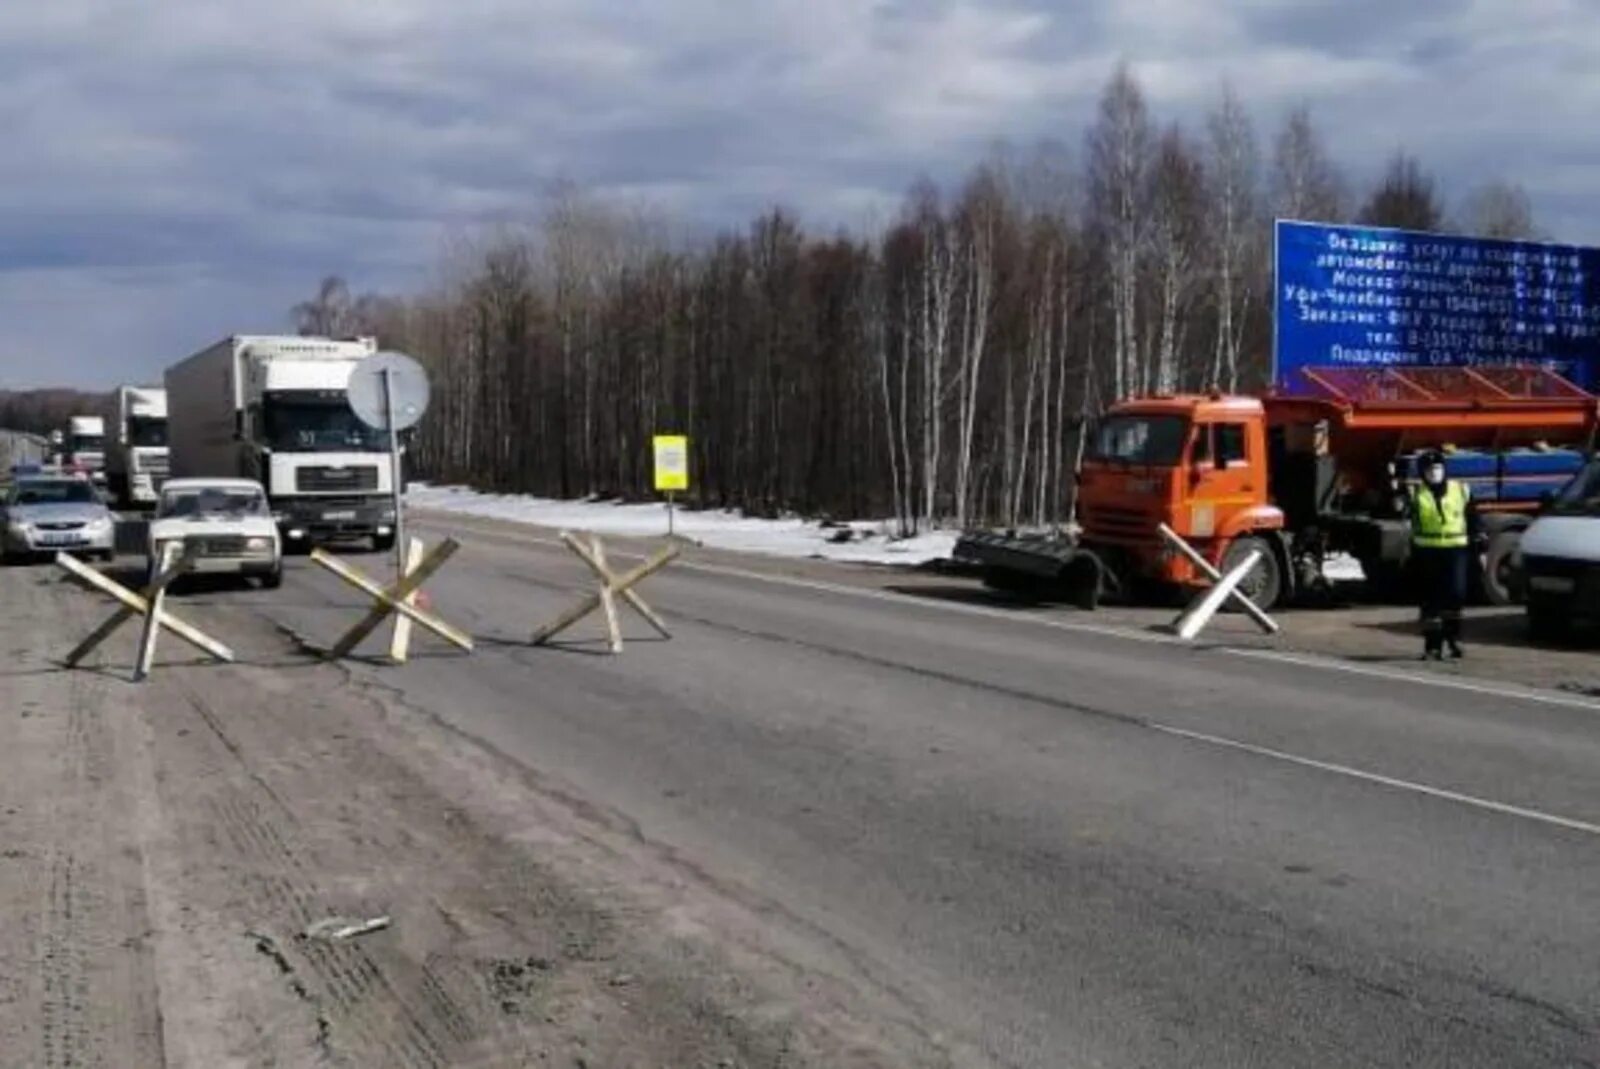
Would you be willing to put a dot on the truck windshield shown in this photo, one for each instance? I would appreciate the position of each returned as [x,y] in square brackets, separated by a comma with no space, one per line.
[1581,496]
[147,432]
[88,443]
[1153,440]
[317,421]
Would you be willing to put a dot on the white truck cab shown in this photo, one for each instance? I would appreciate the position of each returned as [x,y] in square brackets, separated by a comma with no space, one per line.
[1560,558]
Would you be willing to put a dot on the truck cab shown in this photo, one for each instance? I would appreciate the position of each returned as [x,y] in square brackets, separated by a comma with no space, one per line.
[1197,463]
[137,454]
[86,446]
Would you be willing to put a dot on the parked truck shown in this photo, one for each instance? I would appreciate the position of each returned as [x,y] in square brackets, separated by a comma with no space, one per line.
[85,447]
[276,409]
[136,447]
[1300,478]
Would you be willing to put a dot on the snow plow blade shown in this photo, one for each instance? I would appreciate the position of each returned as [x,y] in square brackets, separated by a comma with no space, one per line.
[1042,567]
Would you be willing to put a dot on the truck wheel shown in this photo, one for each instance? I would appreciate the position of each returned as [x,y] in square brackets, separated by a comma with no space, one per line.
[1502,585]
[1264,584]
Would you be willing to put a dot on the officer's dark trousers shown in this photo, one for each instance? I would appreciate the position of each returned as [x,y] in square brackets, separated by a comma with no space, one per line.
[1442,583]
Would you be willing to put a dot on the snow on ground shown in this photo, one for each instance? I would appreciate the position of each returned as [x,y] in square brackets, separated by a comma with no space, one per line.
[869,541]
[1343,568]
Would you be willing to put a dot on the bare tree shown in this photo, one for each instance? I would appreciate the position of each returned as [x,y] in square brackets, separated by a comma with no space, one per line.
[1177,208]
[1306,183]
[1499,210]
[328,314]
[1119,159]
[1404,197]
[1233,172]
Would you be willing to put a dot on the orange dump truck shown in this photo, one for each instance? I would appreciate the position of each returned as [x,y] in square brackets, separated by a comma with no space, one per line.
[1301,478]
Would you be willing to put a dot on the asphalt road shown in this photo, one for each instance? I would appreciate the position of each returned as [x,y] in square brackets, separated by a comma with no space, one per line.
[1063,844]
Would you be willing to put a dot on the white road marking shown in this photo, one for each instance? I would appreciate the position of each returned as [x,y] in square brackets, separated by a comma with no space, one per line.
[1386,781]
[1308,660]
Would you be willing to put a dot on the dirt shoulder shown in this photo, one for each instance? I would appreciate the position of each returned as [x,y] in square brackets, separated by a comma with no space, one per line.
[168,845]
[1350,629]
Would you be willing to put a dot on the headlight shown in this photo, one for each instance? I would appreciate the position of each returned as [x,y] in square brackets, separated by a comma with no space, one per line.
[17,527]
[104,523]
[258,545]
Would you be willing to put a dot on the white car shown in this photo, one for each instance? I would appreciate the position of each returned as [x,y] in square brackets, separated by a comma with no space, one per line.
[1560,558]
[225,523]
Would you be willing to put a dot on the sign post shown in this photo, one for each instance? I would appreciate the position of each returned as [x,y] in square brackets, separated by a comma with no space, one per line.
[671,469]
[389,392]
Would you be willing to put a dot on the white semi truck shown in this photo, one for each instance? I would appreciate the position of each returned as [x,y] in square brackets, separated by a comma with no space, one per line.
[137,459]
[86,446]
[276,409]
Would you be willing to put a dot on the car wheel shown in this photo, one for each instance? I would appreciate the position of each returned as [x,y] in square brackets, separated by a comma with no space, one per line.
[273,579]
[382,543]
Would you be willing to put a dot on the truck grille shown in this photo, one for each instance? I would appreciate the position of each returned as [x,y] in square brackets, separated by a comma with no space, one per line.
[329,480]
[158,465]
[1122,524]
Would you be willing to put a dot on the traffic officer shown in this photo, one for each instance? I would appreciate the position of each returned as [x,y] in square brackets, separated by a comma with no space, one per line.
[1442,522]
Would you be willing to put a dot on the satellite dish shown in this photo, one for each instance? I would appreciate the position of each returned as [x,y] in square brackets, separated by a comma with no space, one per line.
[408,387]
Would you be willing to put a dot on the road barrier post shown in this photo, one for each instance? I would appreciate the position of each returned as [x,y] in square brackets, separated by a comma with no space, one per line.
[395,599]
[1203,608]
[612,586]
[1265,622]
[149,604]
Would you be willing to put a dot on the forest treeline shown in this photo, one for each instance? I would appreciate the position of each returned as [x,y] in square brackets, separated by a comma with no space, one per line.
[939,371]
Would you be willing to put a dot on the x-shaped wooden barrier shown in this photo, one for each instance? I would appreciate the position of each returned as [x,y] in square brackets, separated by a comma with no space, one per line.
[149,604]
[612,586]
[397,599]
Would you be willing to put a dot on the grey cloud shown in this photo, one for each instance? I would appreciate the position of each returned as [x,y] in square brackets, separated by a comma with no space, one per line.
[194,166]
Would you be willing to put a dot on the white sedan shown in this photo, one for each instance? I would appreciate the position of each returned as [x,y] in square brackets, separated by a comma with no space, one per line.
[224,524]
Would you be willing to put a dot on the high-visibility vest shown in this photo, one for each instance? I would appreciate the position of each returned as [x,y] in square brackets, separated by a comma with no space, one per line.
[1439,522]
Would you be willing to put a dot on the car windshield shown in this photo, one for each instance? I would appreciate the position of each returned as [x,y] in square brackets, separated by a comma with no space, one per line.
[53,492]
[1581,496]
[146,432]
[1155,440]
[317,421]
[212,501]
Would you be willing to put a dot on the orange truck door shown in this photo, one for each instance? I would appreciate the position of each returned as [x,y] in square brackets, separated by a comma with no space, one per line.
[1222,477]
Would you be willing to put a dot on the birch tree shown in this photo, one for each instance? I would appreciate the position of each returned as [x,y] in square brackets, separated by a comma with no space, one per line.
[1119,160]
[1233,166]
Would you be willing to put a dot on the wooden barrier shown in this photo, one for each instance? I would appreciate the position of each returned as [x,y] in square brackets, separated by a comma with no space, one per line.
[149,604]
[612,586]
[397,599]
[1263,621]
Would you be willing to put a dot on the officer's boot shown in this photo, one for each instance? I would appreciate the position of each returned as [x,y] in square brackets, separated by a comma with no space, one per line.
[1452,632]
[1432,639]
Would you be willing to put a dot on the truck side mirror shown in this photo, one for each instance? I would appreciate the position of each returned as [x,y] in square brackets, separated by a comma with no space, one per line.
[238,426]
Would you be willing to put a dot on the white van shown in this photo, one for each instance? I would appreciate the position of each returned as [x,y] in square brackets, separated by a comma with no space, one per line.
[1561,558]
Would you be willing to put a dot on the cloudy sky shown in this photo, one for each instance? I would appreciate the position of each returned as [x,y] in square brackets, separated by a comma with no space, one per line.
[178,170]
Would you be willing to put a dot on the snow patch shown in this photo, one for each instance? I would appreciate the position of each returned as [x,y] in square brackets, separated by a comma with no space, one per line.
[857,542]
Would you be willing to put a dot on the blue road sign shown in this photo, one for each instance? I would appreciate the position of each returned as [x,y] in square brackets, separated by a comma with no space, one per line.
[1355,296]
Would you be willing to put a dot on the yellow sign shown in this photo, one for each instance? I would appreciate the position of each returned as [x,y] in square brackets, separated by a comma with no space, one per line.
[672,462]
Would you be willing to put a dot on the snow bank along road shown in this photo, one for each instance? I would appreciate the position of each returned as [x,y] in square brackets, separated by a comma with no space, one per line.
[822,825]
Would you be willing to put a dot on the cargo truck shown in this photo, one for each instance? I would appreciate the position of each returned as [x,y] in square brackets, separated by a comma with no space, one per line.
[136,447]
[276,409]
[85,447]
[1300,478]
